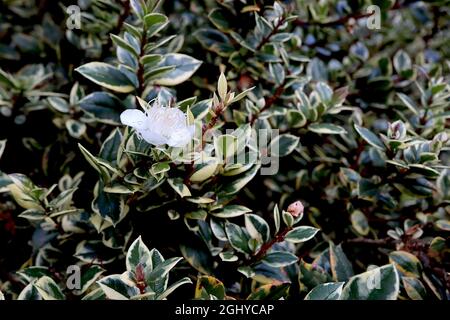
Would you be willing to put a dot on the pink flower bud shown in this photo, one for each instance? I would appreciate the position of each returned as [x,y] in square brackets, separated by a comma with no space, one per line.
[295,209]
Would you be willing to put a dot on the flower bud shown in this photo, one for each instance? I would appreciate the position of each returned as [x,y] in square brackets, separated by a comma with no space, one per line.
[295,209]
[397,130]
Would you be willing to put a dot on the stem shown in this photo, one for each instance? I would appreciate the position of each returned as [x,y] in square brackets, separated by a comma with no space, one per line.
[120,20]
[270,101]
[218,110]
[345,19]
[271,33]
[266,247]
[380,242]
[140,73]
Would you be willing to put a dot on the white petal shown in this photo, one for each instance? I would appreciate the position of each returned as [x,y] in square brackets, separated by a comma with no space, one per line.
[153,137]
[134,118]
[181,137]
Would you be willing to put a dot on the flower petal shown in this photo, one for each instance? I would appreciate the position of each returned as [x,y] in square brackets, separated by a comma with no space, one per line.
[180,137]
[134,118]
[153,137]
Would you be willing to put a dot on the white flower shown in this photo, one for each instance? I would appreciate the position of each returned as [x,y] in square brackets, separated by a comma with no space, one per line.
[160,125]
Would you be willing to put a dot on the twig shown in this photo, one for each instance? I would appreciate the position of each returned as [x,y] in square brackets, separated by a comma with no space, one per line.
[270,101]
[380,242]
[271,33]
[218,110]
[266,247]
[121,19]
[352,16]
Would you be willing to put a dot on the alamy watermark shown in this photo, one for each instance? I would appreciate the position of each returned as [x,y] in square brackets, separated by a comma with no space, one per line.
[374,19]
[74,17]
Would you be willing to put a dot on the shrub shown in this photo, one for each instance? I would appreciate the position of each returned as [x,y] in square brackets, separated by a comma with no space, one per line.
[264,150]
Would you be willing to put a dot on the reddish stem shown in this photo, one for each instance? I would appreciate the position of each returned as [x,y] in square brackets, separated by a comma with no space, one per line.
[266,246]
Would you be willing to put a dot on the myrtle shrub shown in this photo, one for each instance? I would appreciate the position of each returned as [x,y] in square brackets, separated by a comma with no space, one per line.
[290,150]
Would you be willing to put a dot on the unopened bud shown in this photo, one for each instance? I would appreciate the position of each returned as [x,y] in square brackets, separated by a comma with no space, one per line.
[397,130]
[295,209]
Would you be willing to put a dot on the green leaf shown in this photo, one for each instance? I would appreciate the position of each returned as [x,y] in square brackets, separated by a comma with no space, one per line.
[139,7]
[157,72]
[402,61]
[283,145]
[287,218]
[414,288]
[326,128]
[219,19]
[360,222]
[301,234]
[173,287]
[109,206]
[222,86]
[215,41]
[370,137]
[341,268]
[21,188]
[29,293]
[239,183]
[180,188]
[204,171]
[2,147]
[377,284]
[150,60]
[76,128]
[242,95]
[48,289]
[277,72]
[295,119]
[207,285]
[106,76]
[198,256]
[159,168]
[237,237]
[184,68]
[408,102]
[160,284]
[118,41]
[138,254]
[247,271]
[257,227]
[269,292]
[406,263]
[196,215]
[59,104]
[278,259]
[326,291]
[443,184]
[96,294]
[103,106]
[110,149]
[228,256]
[94,162]
[115,288]
[33,214]
[7,79]
[230,211]
[88,277]
[155,22]
[162,269]
[225,146]
[276,218]
[34,273]
[443,224]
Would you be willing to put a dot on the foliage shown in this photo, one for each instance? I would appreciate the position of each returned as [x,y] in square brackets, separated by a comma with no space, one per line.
[316,167]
